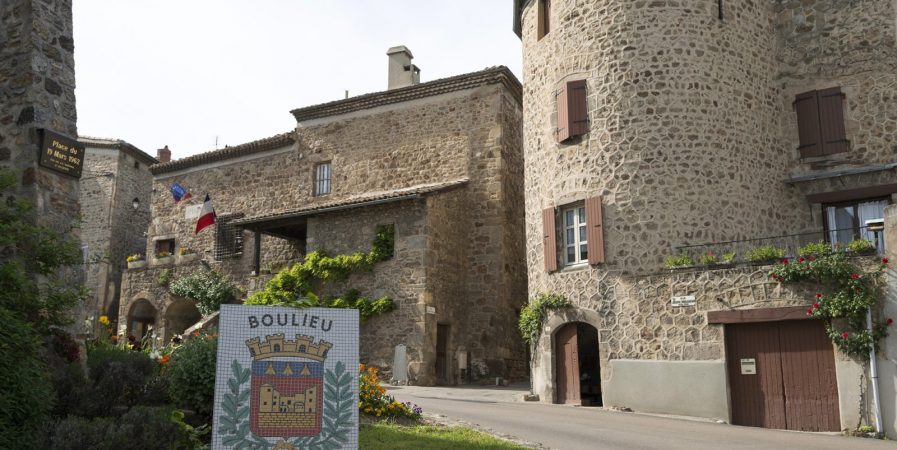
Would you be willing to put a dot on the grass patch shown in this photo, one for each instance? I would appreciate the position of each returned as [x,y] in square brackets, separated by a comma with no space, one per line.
[383,435]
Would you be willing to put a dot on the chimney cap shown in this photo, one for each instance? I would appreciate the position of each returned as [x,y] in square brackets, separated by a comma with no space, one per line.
[399,49]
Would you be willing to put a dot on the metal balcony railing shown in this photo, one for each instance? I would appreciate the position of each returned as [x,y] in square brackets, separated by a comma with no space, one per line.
[790,243]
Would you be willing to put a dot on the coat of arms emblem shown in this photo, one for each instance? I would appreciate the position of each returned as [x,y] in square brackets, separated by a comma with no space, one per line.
[287,385]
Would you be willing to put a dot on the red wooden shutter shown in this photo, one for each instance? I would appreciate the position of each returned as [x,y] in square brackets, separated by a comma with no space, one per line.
[563,119]
[807,108]
[577,108]
[595,225]
[831,121]
[549,240]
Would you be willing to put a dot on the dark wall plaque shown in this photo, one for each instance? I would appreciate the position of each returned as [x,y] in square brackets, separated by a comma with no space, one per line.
[61,153]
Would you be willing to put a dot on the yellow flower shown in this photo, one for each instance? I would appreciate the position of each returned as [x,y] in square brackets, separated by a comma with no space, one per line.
[104,320]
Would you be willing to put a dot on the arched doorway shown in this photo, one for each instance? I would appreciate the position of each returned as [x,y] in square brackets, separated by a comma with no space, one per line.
[577,365]
[179,316]
[141,319]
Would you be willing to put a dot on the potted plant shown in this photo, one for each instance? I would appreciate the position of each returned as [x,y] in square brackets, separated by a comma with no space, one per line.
[163,258]
[729,258]
[709,259]
[815,250]
[679,261]
[861,247]
[136,261]
[186,254]
[765,255]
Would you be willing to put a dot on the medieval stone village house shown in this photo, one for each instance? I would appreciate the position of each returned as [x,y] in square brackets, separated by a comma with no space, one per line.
[440,161]
[681,127]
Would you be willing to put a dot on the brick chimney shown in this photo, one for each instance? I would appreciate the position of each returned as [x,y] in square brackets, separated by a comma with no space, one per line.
[401,72]
[163,155]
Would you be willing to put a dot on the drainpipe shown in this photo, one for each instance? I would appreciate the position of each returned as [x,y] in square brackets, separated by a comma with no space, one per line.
[873,369]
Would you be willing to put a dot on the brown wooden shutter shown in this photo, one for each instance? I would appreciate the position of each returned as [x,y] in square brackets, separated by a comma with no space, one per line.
[549,240]
[595,225]
[831,121]
[577,108]
[807,108]
[563,119]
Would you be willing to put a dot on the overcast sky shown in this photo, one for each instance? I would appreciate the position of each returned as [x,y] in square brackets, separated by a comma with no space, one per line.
[183,72]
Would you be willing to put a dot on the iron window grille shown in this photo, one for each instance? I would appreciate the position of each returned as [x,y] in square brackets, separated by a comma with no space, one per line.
[322,179]
[228,238]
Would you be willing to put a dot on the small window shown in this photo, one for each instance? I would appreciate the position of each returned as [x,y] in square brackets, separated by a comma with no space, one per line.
[165,246]
[820,123]
[572,110]
[575,235]
[544,18]
[228,238]
[322,179]
[136,164]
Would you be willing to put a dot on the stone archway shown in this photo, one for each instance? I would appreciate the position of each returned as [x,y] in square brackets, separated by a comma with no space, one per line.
[141,318]
[545,359]
[179,316]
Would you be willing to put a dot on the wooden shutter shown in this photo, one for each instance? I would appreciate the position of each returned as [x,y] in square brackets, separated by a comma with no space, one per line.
[563,119]
[595,225]
[543,18]
[831,121]
[577,108]
[549,240]
[807,108]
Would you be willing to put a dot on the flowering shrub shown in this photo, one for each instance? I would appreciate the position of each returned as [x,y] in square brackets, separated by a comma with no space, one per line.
[851,292]
[709,259]
[163,255]
[135,257]
[373,400]
[208,288]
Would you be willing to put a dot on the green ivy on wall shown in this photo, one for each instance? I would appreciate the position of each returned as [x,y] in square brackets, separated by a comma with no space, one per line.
[533,315]
[847,292]
[293,285]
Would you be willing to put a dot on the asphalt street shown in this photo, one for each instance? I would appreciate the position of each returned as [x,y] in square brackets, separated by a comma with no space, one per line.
[566,427]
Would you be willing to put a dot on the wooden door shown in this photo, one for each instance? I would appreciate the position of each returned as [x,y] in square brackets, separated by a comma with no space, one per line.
[567,364]
[442,332]
[793,381]
[808,370]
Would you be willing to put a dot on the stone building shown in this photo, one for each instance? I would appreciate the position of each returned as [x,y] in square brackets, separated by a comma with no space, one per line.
[441,161]
[115,212]
[661,128]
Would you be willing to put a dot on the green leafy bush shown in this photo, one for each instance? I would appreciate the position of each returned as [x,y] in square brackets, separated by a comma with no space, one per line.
[27,393]
[861,246]
[765,254]
[815,249]
[709,259]
[141,428]
[728,257]
[533,314]
[293,286]
[191,373]
[681,260]
[208,288]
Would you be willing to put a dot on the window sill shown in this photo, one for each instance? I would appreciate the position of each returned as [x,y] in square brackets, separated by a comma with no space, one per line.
[574,267]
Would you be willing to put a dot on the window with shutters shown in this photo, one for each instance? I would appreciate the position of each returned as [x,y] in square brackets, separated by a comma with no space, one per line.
[544,18]
[820,123]
[322,179]
[573,234]
[572,110]
[228,238]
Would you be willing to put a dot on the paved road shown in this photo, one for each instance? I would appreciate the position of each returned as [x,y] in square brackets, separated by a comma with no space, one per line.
[566,427]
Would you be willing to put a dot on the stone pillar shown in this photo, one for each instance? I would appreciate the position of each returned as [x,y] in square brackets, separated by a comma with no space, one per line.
[37,91]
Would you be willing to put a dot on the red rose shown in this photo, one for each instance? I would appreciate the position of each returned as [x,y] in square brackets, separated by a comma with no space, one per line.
[816,305]
[845,335]
[854,276]
[801,259]
[809,311]
[811,257]
[785,261]
[884,260]
[818,295]
[890,321]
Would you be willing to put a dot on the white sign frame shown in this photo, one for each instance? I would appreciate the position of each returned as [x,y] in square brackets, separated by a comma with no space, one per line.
[683,300]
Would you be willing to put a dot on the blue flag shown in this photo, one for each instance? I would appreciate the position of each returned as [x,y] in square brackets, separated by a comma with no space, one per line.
[179,193]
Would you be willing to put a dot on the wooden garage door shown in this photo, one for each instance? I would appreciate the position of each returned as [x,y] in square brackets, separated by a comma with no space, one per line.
[793,385]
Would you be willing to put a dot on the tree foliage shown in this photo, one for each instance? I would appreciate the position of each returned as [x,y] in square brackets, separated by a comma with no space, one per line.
[208,288]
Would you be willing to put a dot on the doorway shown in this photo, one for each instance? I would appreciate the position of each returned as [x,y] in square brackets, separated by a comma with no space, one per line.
[782,375]
[442,337]
[577,363]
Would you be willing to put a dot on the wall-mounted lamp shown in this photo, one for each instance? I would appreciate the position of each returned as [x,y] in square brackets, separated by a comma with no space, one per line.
[135,203]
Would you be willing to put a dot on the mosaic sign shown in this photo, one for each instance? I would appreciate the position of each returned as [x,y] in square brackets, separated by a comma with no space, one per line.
[286,378]
[61,153]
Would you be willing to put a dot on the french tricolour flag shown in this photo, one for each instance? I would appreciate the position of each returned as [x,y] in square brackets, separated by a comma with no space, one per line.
[206,216]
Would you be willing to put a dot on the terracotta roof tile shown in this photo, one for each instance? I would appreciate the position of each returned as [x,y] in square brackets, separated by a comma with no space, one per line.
[261,145]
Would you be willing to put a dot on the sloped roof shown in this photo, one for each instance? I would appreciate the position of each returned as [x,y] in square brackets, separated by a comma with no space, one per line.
[358,201]
[492,75]
[118,144]
[249,148]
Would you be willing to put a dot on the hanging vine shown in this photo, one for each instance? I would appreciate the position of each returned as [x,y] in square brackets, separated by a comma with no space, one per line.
[847,292]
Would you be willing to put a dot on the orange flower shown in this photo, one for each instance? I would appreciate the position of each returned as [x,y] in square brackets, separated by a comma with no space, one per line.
[114,338]
[164,360]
